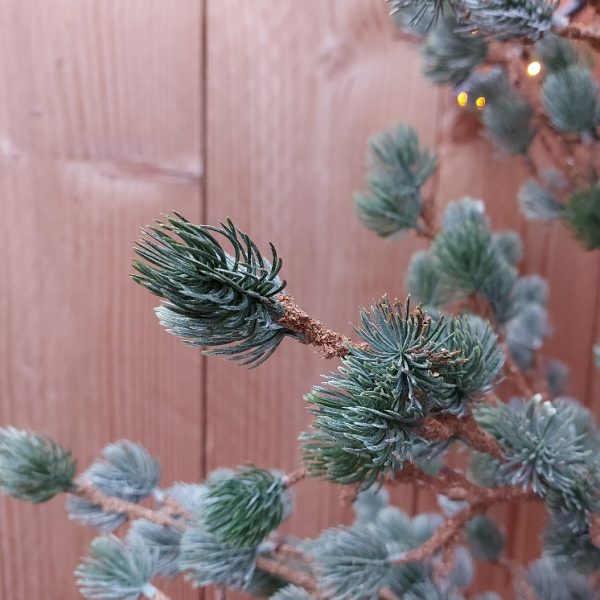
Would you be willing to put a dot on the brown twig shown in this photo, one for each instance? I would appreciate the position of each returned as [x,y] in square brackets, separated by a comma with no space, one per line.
[443,427]
[171,507]
[579,31]
[327,342]
[445,535]
[294,477]
[85,490]
[279,569]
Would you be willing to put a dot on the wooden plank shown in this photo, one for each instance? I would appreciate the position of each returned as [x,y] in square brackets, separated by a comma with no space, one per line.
[99,133]
[293,94]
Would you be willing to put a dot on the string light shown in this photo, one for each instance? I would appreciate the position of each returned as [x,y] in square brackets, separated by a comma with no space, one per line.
[462,98]
[480,102]
[534,68]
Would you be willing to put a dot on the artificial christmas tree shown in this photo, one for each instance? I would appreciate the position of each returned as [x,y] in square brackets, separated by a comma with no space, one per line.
[419,382]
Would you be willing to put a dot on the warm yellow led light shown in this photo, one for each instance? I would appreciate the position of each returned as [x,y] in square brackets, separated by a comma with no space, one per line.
[480,102]
[534,68]
[462,98]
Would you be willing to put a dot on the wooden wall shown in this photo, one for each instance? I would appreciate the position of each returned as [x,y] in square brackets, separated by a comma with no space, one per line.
[113,111]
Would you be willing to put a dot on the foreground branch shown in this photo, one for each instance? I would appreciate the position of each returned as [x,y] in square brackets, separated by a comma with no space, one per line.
[331,344]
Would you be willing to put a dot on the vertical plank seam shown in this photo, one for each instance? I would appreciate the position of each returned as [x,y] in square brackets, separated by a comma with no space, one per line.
[203,202]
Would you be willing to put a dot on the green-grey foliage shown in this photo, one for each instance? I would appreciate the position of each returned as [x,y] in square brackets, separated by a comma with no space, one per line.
[292,592]
[508,19]
[556,53]
[32,467]
[491,83]
[243,509]
[210,561]
[190,496]
[537,202]
[486,540]
[482,360]
[351,562]
[557,375]
[126,471]
[117,569]
[469,259]
[450,54]
[404,578]
[464,210]
[391,204]
[227,302]
[421,12]
[509,244]
[525,334]
[365,415]
[402,533]
[573,550]
[529,289]
[582,215]
[164,543]
[264,584]
[424,281]
[369,503]
[463,571]
[508,121]
[485,470]
[551,582]
[428,590]
[570,98]
[542,447]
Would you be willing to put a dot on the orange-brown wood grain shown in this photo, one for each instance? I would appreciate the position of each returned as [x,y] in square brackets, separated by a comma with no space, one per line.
[100,132]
